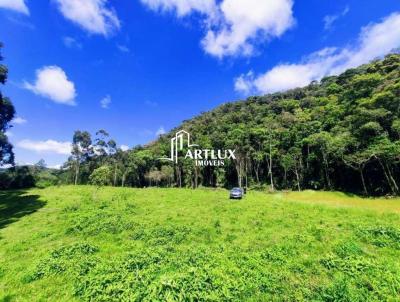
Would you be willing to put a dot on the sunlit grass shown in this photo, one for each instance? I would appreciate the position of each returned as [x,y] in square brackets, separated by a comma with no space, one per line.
[340,199]
[120,244]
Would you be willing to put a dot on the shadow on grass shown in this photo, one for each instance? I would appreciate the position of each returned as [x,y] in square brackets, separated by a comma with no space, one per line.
[7,298]
[15,205]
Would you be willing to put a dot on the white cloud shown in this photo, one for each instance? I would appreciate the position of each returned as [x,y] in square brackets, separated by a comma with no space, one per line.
[48,146]
[95,16]
[105,102]
[160,131]
[52,82]
[244,22]
[19,120]
[375,41]
[23,163]
[57,166]
[243,82]
[15,5]
[330,19]
[9,134]
[124,147]
[182,7]
[234,27]
[72,43]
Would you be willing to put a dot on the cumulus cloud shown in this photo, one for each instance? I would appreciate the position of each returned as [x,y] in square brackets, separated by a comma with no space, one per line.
[375,40]
[19,120]
[48,146]
[244,22]
[95,16]
[52,82]
[105,102]
[234,27]
[15,5]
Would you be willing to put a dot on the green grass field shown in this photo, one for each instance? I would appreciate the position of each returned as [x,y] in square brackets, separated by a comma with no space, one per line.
[119,244]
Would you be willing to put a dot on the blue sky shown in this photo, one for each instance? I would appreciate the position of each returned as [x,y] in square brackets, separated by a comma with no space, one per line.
[140,67]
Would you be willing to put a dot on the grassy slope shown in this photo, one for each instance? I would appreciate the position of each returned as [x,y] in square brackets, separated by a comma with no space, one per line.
[115,244]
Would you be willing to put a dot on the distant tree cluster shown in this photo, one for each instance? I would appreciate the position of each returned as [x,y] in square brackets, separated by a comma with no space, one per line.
[19,177]
[339,134]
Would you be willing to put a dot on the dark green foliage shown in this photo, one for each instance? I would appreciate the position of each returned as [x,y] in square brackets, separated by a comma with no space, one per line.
[19,177]
[77,258]
[161,235]
[45,178]
[7,113]
[98,223]
[381,236]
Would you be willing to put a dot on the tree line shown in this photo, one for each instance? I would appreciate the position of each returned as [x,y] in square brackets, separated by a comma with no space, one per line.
[341,133]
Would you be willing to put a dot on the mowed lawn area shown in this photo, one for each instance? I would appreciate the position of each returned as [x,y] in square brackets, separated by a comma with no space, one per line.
[120,244]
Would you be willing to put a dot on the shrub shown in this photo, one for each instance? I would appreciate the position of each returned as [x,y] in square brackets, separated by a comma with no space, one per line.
[101,176]
[45,179]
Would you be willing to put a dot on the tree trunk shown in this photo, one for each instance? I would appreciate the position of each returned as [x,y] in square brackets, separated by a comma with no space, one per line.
[396,188]
[245,175]
[256,171]
[115,174]
[123,179]
[285,176]
[297,178]
[179,175]
[76,173]
[386,176]
[326,170]
[363,181]
[270,167]
[238,166]
[195,177]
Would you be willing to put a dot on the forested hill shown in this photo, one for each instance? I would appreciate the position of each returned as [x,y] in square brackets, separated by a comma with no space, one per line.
[341,133]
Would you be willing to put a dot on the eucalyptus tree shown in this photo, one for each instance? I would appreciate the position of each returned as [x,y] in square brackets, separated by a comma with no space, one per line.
[7,113]
[82,150]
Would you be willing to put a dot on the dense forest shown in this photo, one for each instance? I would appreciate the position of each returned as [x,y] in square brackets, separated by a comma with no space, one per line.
[341,133]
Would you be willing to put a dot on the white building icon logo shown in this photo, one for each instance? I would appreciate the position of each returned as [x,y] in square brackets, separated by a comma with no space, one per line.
[201,157]
[178,142]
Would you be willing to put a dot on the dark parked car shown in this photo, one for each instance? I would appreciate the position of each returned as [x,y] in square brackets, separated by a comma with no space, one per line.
[236,193]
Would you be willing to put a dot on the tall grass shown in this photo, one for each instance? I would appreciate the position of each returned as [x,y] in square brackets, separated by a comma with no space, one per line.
[118,244]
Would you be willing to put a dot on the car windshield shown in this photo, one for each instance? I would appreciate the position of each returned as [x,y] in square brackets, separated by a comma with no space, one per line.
[237,189]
